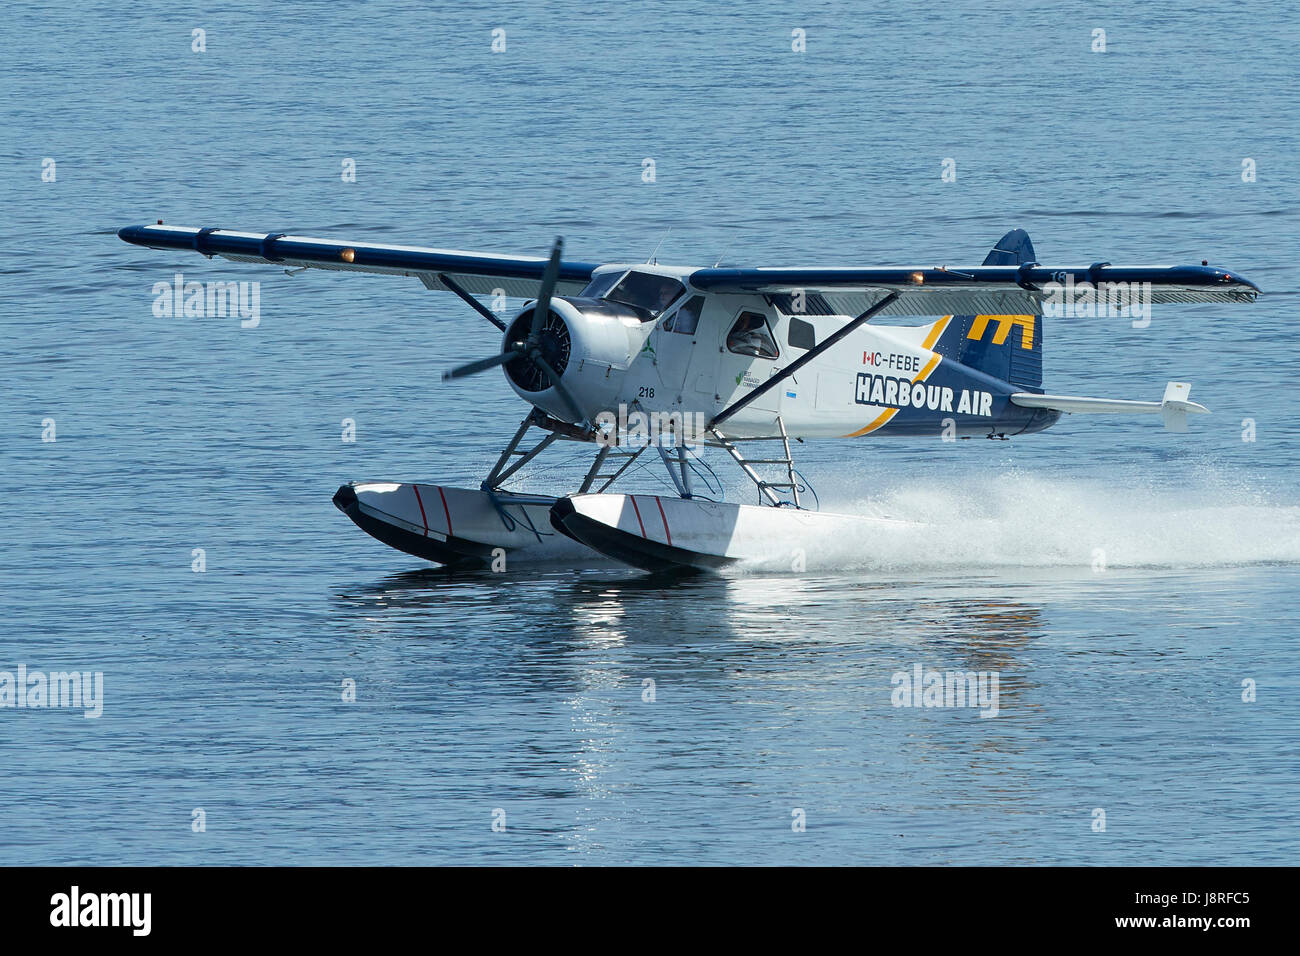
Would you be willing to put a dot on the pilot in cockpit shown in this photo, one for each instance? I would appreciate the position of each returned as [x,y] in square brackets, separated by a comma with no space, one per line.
[749,336]
[667,292]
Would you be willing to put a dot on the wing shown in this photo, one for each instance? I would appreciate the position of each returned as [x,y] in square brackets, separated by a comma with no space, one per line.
[977,290]
[474,272]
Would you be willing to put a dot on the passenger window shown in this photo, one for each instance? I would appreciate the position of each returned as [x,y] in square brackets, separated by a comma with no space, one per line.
[751,336]
[802,335]
[687,318]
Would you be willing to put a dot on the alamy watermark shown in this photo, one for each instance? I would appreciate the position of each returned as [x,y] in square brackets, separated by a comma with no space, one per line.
[208,300]
[1066,298]
[36,689]
[930,688]
[637,429]
[129,910]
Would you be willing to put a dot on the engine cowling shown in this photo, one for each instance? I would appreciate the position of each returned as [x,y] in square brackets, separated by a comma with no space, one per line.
[589,342]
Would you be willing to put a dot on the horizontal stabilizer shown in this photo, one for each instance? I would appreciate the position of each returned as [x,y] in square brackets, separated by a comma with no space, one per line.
[1174,407]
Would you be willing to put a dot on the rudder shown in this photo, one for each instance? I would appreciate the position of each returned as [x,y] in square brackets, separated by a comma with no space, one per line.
[1009,347]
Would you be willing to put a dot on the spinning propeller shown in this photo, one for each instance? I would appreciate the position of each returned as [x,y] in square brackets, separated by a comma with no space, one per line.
[532,358]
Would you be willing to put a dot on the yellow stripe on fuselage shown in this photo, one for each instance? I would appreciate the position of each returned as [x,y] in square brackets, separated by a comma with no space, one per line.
[931,337]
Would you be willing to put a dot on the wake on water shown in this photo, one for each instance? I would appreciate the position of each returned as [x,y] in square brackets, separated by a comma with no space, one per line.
[1208,516]
[1011,519]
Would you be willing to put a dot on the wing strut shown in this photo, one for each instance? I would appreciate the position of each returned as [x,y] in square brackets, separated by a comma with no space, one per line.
[799,363]
[472,302]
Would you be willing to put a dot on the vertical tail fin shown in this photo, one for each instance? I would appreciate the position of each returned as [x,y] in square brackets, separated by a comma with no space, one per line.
[1013,249]
[1009,347]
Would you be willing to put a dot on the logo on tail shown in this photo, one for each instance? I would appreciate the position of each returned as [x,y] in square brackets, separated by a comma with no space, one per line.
[1004,326]
[1007,347]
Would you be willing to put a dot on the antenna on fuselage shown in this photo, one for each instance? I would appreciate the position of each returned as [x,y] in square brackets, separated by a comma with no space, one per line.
[654,256]
[724,253]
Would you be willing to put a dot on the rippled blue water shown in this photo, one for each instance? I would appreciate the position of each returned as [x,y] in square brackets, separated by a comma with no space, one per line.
[1121,689]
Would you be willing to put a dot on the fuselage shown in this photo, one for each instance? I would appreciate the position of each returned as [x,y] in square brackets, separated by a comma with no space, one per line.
[641,339]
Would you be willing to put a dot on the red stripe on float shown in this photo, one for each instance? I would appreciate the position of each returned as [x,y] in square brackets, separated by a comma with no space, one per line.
[638,515]
[665,517]
[416,489]
[445,509]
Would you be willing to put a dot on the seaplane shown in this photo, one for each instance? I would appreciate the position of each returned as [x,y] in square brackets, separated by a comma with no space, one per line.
[635,361]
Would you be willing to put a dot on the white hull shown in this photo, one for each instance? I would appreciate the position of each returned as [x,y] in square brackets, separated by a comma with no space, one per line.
[460,527]
[657,533]
[472,529]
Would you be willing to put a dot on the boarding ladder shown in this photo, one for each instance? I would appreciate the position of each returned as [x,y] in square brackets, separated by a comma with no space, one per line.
[768,489]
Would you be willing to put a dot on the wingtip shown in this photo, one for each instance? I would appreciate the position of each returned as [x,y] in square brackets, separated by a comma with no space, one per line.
[1215,274]
[1244,281]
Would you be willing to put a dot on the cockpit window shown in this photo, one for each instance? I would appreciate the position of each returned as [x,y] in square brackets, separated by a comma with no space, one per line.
[686,319]
[751,336]
[600,284]
[649,294]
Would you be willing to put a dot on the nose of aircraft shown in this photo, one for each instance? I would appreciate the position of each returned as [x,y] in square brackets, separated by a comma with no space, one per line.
[552,344]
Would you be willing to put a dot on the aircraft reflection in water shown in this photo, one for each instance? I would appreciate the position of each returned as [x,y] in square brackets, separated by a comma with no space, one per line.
[720,629]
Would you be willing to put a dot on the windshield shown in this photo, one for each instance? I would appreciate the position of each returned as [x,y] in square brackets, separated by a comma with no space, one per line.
[649,294]
[600,284]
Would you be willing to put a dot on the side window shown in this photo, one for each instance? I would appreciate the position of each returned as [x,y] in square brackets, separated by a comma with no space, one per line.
[751,336]
[802,334]
[687,318]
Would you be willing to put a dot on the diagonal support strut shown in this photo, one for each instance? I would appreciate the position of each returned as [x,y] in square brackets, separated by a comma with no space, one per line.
[836,336]
[472,302]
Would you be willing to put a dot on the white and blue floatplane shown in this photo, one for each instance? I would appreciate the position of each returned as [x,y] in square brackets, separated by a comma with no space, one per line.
[667,361]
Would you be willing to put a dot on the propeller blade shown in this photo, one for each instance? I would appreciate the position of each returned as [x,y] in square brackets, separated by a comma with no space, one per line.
[559,386]
[482,365]
[549,278]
